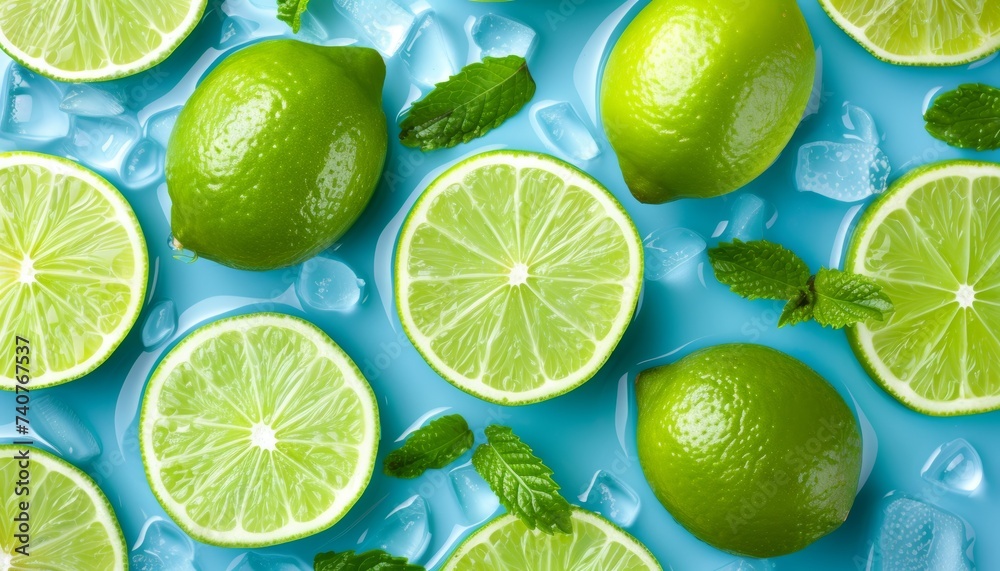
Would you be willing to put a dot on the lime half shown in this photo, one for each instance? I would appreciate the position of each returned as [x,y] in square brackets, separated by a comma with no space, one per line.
[258,430]
[918,32]
[71,524]
[72,267]
[516,276]
[596,544]
[933,242]
[95,40]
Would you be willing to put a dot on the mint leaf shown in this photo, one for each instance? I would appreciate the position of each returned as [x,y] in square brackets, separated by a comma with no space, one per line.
[375,560]
[469,104]
[798,309]
[845,299]
[522,482]
[759,269]
[967,117]
[433,446]
[290,12]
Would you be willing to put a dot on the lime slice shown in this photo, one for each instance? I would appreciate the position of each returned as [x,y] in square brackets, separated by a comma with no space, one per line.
[95,40]
[72,267]
[71,524]
[596,544]
[516,276]
[258,430]
[933,242]
[918,32]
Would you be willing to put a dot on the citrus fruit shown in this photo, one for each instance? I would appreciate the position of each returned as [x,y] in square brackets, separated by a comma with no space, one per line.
[516,276]
[595,545]
[749,449]
[277,153]
[72,267]
[71,526]
[257,430]
[95,40]
[931,241]
[916,32]
[699,98]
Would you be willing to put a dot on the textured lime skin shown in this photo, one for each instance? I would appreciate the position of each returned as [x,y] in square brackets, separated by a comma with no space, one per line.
[277,153]
[699,98]
[749,449]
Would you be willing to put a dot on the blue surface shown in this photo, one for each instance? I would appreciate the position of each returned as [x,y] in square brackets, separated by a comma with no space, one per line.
[591,428]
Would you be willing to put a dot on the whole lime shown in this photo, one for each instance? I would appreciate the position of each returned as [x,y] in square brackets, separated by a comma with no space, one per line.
[749,449]
[699,98]
[277,153]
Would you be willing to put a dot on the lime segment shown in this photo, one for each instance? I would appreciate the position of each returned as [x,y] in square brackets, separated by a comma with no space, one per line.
[72,266]
[917,32]
[595,545]
[516,275]
[72,526]
[95,40]
[933,243]
[257,430]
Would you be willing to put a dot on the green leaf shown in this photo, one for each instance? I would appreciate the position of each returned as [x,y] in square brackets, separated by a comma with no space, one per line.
[798,309]
[469,104]
[290,12]
[967,117]
[433,446]
[844,299]
[375,560]
[522,482]
[759,269]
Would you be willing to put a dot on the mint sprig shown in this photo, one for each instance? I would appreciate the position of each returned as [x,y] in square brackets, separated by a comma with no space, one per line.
[522,482]
[765,270]
[375,560]
[967,117]
[290,12]
[469,104]
[431,447]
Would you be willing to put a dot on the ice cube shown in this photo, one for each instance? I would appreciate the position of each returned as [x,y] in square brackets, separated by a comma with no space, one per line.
[561,129]
[498,36]
[31,106]
[429,55]
[954,466]
[916,536]
[747,218]
[668,249]
[101,142]
[161,322]
[162,547]
[477,500]
[160,125]
[236,31]
[860,125]
[329,285]
[612,498]
[144,163]
[842,171]
[58,423]
[384,23]
[89,101]
[405,532]
[251,561]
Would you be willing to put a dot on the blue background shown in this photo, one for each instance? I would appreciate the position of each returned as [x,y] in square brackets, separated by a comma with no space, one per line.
[591,428]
